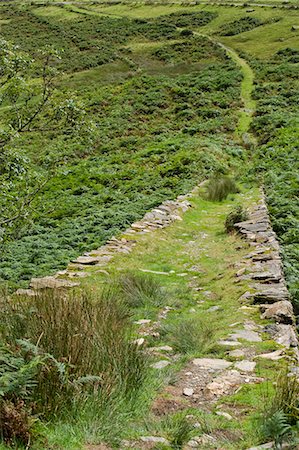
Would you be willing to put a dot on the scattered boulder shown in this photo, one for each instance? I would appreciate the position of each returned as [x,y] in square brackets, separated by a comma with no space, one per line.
[236,353]
[273,356]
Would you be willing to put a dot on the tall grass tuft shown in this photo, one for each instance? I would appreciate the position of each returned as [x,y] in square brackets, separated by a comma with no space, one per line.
[192,336]
[141,289]
[88,333]
[237,214]
[218,188]
[280,412]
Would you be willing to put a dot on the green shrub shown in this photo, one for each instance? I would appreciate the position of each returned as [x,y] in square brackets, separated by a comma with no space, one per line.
[218,188]
[240,26]
[238,214]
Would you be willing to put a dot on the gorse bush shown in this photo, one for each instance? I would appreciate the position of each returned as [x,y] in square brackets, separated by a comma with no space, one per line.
[218,188]
[238,214]
[192,336]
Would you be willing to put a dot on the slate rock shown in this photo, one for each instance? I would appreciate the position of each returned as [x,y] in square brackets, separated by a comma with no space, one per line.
[245,366]
[280,312]
[51,283]
[283,334]
[154,439]
[247,335]
[160,364]
[212,363]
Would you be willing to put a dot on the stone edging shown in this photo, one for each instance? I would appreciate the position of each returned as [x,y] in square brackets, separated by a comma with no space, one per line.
[160,217]
[263,267]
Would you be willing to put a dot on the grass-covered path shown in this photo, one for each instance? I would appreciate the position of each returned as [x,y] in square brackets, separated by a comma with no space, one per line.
[247,86]
[246,90]
[195,262]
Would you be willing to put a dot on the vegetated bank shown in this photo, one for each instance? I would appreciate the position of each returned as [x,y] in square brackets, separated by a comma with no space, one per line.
[164,124]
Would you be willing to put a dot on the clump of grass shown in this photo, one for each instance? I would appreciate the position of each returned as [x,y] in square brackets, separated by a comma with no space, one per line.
[179,430]
[141,289]
[286,397]
[281,411]
[218,188]
[192,336]
[237,214]
[89,332]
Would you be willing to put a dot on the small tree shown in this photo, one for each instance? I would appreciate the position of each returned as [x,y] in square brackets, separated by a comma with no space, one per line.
[30,103]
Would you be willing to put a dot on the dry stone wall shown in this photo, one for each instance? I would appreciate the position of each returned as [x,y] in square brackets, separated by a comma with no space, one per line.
[160,217]
[263,268]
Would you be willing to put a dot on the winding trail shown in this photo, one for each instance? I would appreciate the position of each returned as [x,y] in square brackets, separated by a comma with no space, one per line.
[246,90]
[247,87]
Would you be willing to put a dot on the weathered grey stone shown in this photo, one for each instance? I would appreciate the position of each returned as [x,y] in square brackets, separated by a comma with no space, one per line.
[87,260]
[266,277]
[270,294]
[51,283]
[245,366]
[225,383]
[214,308]
[247,335]
[188,392]
[142,321]
[228,343]
[236,353]
[280,312]
[252,227]
[155,439]
[283,334]
[212,363]
[263,447]
[160,364]
[273,356]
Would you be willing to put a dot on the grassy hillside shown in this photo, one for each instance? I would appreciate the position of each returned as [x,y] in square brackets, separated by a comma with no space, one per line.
[164,108]
[167,95]
[164,98]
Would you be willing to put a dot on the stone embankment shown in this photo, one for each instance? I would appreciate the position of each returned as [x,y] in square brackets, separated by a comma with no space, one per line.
[160,217]
[263,268]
